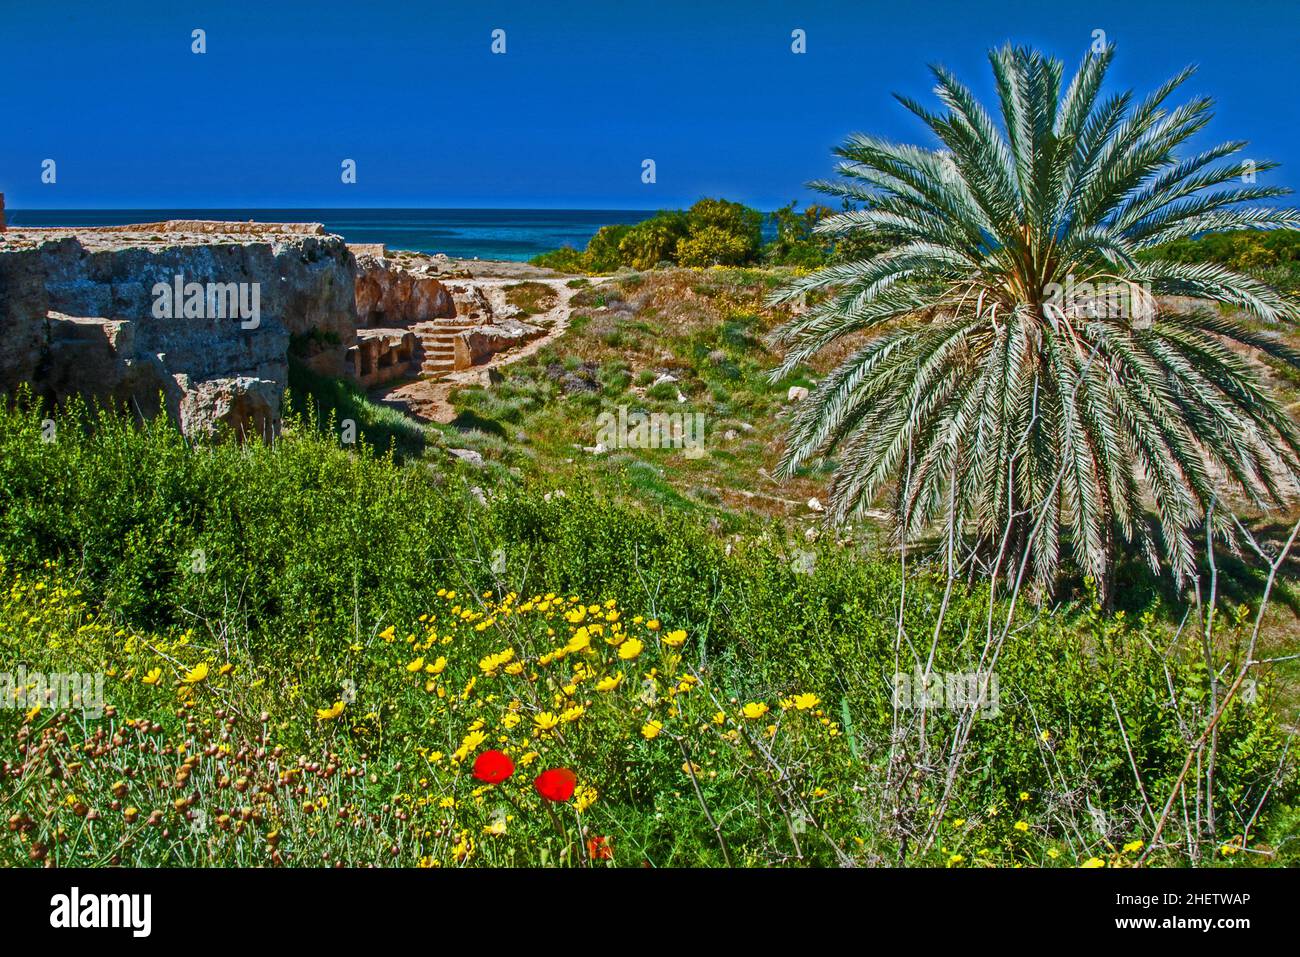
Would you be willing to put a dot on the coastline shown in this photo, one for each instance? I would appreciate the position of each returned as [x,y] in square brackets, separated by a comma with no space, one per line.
[503,235]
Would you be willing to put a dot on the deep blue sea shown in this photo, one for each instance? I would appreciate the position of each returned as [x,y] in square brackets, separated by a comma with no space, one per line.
[516,234]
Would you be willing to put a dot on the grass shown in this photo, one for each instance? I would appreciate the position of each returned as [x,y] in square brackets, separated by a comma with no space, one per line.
[531,298]
[318,688]
[702,332]
[330,403]
[271,621]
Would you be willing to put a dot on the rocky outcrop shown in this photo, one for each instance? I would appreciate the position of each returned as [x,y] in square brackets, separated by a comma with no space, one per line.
[217,227]
[80,314]
[198,319]
[382,355]
[474,345]
[389,295]
[471,302]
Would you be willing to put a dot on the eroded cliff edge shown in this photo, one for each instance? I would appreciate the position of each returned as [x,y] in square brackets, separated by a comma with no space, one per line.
[105,313]
[79,315]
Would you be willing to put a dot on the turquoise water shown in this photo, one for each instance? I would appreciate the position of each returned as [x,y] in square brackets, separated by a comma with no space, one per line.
[516,234]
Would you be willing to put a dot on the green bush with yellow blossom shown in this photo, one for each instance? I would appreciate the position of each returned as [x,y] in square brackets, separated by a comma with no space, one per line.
[308,650]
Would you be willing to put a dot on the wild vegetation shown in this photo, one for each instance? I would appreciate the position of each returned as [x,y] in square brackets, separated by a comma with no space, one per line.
[309,649]
[1024,384]
[713,232]
[320,652]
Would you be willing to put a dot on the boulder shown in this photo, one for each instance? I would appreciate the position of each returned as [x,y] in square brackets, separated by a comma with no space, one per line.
[480,342]
[468,456]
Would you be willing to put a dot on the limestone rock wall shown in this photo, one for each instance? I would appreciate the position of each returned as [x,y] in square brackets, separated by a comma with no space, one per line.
[388,295]
[77,316]
[473,345]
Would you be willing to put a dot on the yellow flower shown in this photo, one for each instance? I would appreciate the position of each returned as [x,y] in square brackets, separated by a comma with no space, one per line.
[1093,862]
[630,649]
[153,676]
[496,828]
[1053,853]
[1132,846]
[416,665]
[464,847]
[584,798]
[491,663]
[330,713]
[510,720]
[650,730]
[387,633]
[196,674]
[1024,795]
[576,615]
[572,714]
[719,717]
[754,710]
[437,667]
[675,639]
[545,721]
[1021,826]
[805,702]
[470,742]
[653,624]
[580,641]
[955,860]
[609,682]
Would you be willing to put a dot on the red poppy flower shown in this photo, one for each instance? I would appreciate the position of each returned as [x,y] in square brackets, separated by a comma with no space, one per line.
[599,848]
[557,784]
[493,767]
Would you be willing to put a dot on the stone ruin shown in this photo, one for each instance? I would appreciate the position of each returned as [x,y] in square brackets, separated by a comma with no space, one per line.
[78,316]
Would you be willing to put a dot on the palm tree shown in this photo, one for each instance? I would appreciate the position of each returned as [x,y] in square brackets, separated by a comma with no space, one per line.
[1016,382]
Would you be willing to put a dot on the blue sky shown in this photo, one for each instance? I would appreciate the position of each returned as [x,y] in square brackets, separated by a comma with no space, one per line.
[584,93]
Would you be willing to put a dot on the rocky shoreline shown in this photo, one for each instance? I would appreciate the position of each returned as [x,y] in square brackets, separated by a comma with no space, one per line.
[199,319]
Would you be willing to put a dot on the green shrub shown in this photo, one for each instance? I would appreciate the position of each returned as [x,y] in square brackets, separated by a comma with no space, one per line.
[1272,255]
[649,243]
[712,246]
[290,562]
[796,244]
[564,259]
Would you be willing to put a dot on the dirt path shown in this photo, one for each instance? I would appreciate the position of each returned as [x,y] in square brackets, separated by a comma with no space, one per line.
[429,399]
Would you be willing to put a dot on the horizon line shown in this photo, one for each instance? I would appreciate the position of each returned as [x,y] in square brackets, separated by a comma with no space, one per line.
[568,209]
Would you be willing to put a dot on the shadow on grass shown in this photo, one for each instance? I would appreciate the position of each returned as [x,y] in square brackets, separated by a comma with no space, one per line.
[470,421]
[1241,578]
[330,401]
